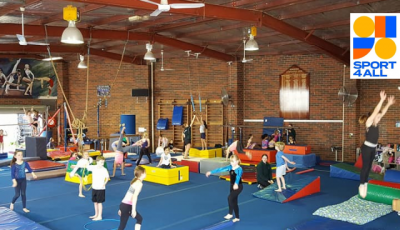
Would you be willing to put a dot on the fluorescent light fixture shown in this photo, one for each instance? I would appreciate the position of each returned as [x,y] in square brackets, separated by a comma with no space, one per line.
[71,34]
[52,58]
[251,44]
[82,64]
[149,55]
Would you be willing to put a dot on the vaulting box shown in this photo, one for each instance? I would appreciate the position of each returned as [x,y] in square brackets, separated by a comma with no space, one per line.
[297,149]
[166,176]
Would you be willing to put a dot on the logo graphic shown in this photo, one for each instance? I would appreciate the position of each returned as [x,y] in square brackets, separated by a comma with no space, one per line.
[373,46]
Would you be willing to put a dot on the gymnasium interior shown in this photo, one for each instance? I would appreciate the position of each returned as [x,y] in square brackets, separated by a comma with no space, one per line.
[73,73]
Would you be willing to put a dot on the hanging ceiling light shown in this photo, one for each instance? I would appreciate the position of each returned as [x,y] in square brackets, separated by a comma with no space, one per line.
[71,34]
[82,64]
[251,44]
[149,55]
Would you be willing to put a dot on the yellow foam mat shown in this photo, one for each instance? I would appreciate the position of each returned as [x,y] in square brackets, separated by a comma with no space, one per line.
[209,153]
[166,176]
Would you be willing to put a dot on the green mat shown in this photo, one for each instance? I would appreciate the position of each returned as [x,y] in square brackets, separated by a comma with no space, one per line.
[382,194]
[355,211]
[356,170]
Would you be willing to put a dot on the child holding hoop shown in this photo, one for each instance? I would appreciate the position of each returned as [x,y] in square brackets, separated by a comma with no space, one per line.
[81,171]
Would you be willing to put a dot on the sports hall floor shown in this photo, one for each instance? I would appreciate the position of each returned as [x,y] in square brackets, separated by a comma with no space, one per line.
[196,204]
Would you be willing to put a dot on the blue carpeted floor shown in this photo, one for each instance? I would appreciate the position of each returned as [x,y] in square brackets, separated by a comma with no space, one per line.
[196,204]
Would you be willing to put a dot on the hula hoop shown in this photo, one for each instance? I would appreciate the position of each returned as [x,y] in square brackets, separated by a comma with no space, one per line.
[191,96]
[91,222]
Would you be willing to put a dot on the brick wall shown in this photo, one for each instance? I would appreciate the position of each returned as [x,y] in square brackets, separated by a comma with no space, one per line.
[254,91]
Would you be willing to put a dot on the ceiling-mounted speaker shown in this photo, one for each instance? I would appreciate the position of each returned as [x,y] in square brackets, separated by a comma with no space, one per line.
[140,92]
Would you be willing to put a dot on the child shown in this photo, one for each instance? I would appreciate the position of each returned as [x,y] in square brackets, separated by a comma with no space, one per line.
[99,180]
[80,170]
[18,176]
[128,205]
[291,141]
[203,127]
[187,137]
[250,144]
[119,154]
[51,145]
[165,159]
[144,150]
[281,166]
[264,142]
[172,148]
[2,134]
[236,187]
[73,156]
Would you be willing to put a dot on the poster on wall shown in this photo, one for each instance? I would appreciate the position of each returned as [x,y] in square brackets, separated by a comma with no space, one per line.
[294,94]
[27,78]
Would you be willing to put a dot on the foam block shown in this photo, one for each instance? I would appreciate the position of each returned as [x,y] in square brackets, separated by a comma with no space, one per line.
[346,171]
[3,155]
[396,205]
[192,163]
[392,176]
[302,161]
[213,163]
[36,147]
[166,176]
[209,153]
[382,194]
[297,149]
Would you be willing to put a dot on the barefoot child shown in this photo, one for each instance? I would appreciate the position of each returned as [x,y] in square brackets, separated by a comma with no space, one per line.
[18,176]
[281,166]
[81,171]
[128,205]
[165,159]
[99,180]
[236,187]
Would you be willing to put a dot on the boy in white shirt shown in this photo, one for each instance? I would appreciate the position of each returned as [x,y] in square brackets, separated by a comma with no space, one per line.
[100,178]
[165,159]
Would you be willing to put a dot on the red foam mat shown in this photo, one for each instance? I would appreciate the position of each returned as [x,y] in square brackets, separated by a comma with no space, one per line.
[385,183]
[58,154]
[42,164]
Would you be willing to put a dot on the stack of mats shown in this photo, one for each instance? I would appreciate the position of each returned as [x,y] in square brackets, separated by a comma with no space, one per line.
[192,163]
[297,186]
[46,169]
[346,171]
[12,220]
[213,163]
[301,155]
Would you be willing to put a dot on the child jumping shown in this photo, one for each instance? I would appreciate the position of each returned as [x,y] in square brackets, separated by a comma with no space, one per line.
[281,166]
[79,170]
[236,187]
[100,178]
[18,176]
[128,205]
